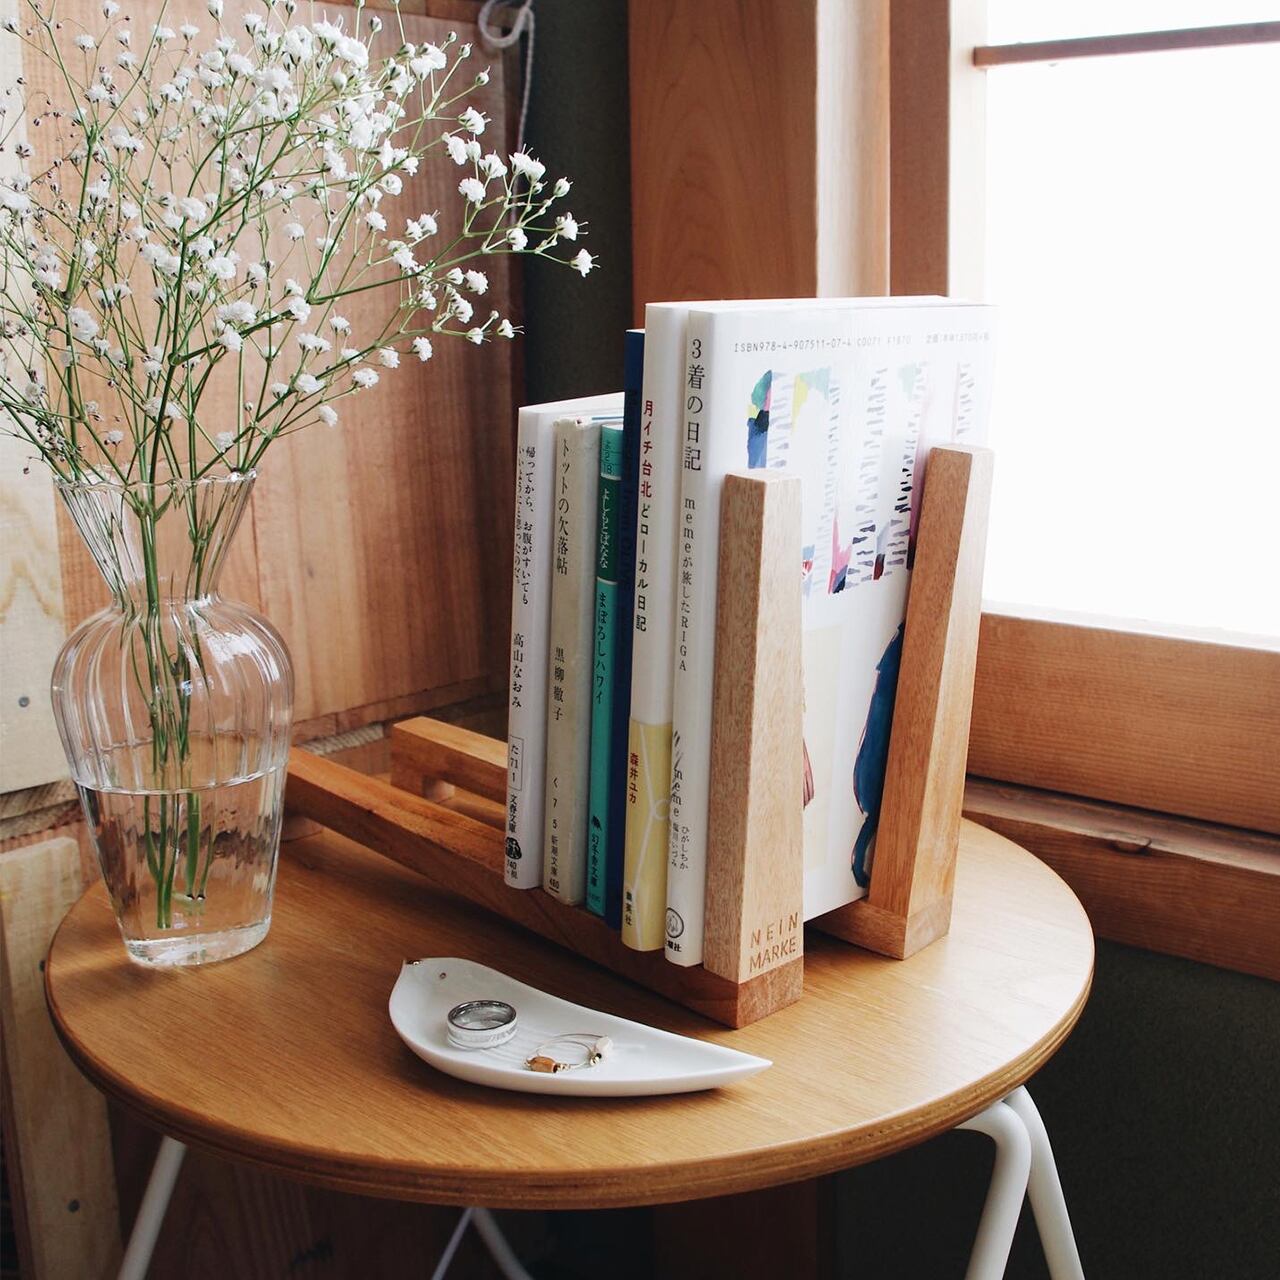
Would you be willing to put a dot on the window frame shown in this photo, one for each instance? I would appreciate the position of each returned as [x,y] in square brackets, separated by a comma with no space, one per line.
[1161,722]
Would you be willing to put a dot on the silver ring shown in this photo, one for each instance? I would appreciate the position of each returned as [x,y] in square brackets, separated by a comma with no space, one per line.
[481,1024]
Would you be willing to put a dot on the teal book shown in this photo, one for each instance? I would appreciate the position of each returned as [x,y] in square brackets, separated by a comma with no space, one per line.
[604,633]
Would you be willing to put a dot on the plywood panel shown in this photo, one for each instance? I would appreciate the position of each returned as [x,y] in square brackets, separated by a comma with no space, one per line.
[31,621]
[31,603]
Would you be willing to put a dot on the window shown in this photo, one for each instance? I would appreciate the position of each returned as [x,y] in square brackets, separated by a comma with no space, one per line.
[1142,720]
[1082,715]
[1130,243]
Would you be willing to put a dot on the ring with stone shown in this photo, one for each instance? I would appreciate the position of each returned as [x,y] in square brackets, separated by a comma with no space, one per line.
[586,1049]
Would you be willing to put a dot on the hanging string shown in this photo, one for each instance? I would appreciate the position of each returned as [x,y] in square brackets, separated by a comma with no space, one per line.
[495,40]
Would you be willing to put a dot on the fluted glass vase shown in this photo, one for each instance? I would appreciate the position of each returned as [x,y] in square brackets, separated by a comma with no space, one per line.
[174,708]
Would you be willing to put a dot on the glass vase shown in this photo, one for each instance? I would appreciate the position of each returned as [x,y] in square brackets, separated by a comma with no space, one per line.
[174,708]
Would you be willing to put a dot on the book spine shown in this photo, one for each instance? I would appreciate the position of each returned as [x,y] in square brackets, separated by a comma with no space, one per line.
[624,650]
[575,482]
[602,664]
[530,618]
[648,764]
[697,551]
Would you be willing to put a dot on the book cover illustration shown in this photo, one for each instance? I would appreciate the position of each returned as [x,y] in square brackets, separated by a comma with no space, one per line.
[849,399]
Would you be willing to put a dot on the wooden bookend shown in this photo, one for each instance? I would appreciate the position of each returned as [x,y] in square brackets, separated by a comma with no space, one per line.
[909,902]
[443,812]
[755,854]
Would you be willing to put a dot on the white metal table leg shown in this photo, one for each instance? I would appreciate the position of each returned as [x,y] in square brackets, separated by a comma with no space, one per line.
[1008,1187]
[459,1229]
[155,1201]
[499,1247]
[1045,1189]
[490,1233]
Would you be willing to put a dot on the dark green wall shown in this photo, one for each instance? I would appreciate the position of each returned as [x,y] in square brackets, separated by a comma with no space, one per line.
[578,127]
[1165,1118]
[1163,1106]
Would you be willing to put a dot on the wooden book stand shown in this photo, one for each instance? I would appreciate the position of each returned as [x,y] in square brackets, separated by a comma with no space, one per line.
[442,812]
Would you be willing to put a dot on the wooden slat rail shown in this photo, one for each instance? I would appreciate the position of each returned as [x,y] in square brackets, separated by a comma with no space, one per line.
[450,754]
[995,55]
[459,855]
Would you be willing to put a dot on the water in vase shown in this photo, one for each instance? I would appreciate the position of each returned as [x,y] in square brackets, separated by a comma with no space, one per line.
[190,873]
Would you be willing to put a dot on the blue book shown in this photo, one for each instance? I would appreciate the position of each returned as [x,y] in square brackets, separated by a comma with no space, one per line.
[633,376]
[604,633]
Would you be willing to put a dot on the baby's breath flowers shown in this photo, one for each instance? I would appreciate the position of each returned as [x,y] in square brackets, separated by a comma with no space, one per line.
[221,188]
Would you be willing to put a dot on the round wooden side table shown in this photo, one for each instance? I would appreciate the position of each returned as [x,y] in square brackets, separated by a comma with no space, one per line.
[285,1057]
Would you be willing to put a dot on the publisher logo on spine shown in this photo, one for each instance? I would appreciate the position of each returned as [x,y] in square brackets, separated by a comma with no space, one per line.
[675,924]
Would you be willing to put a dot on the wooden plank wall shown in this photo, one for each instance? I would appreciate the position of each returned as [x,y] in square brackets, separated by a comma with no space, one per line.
[759,149]
[379,548]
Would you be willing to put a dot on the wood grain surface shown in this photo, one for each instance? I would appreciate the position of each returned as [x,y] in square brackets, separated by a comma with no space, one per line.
[755,826]
[57,1149]
[759,149]
[937,148]
[451,754]
[1183,888]
[723,149]
[31,605]
[287,1058]
[460,851]
[1179,726]
[909,902]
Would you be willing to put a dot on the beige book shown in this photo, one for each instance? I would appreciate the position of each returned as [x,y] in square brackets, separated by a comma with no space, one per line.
[575,484]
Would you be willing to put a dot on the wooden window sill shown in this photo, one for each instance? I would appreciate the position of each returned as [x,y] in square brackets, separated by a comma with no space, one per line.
[1186,888]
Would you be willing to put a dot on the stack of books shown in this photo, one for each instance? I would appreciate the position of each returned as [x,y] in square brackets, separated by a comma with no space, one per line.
[616,579]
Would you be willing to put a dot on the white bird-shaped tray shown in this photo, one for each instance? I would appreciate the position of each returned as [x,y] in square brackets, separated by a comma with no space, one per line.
[641,1059]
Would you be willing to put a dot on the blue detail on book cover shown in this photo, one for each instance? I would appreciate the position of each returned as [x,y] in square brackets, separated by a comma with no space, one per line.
[873,754]
[628,507]
[758,421]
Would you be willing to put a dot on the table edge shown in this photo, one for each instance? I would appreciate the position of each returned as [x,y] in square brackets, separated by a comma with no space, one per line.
[601,1188]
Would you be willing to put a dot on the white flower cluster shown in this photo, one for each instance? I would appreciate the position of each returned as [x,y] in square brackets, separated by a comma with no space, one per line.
[224,191]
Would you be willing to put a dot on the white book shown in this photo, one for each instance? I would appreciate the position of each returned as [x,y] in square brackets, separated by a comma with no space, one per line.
[575,486]
[530,625]
[847,394]
[644,880]
[649,739]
